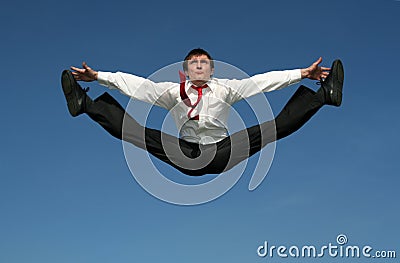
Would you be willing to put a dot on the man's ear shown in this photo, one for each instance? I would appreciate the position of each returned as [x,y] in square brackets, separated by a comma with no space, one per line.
[212,71]
[186,73]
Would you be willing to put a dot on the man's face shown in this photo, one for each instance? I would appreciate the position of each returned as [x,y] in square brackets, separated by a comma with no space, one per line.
[199,69]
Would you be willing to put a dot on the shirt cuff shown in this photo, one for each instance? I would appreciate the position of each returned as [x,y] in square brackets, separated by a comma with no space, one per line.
[102,78]
[295,76]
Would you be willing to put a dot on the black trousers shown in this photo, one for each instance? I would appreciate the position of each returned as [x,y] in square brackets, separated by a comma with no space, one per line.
[195,159]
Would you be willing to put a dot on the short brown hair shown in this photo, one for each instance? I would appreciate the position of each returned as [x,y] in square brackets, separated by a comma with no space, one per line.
[196,52]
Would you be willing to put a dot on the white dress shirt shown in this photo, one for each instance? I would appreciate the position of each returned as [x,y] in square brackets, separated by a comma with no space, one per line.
[214,107]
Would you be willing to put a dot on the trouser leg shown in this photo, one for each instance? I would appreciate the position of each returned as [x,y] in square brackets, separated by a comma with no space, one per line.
[107,112]
[298,110]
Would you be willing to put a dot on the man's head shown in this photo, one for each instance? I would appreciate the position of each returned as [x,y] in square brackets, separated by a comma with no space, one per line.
[198,66]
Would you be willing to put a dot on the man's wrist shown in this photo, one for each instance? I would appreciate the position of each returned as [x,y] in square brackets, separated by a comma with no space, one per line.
[304,73]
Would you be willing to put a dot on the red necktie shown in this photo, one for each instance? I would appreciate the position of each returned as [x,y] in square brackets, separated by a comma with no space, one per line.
[185,97]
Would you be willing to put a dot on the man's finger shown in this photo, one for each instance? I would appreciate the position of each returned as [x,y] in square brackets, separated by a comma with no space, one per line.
[325,74]
[85,66]
[76,76]
[318,61]
[78,69]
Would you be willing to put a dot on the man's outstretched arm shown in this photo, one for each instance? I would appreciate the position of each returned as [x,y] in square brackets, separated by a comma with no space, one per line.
[131,85]
[275,80]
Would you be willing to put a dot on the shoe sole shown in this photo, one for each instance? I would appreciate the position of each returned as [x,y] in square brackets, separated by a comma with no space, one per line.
[67,83]
[337,92]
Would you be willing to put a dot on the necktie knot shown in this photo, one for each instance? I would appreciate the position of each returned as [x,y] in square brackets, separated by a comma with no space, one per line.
[199,88]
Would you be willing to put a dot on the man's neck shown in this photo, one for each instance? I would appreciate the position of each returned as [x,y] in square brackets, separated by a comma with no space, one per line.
[199,83]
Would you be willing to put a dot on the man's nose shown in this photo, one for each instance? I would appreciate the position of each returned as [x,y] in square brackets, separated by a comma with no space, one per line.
[198,65]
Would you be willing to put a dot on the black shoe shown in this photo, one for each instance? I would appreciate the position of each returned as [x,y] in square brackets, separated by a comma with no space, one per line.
[333,84]
[75,95]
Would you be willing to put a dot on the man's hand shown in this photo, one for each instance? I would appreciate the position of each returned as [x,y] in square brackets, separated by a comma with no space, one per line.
[315,72]
[85,74]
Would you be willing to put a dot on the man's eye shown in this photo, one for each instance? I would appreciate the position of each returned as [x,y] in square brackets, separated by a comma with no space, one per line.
[193,62]
[203,61]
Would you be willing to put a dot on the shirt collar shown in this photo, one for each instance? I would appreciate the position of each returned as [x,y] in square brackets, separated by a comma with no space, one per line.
[211,85]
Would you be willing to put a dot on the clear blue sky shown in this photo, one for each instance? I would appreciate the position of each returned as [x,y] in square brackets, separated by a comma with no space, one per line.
[67,195]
